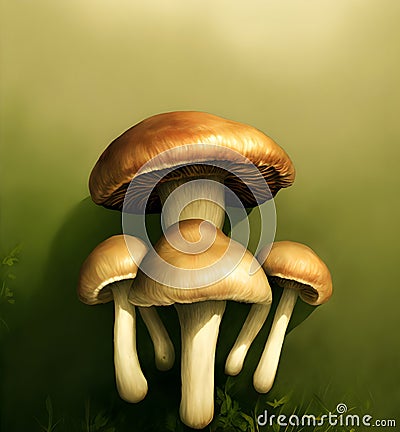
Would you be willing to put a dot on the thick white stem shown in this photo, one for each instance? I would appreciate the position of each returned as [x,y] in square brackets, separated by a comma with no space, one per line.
[199,321]
[264,375]
[199,199]
[131,383]
[164,352]
[253,324]
[199,333]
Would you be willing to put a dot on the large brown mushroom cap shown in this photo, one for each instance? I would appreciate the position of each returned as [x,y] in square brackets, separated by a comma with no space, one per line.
[127,154]
[241,284]
[294,265]
[109,262]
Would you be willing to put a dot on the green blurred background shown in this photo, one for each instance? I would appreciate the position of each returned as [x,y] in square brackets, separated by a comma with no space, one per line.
[320,77]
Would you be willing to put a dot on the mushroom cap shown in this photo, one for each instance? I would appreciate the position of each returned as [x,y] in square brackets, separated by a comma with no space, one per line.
[203,273]
[216,139]
[295,265]
[109,262]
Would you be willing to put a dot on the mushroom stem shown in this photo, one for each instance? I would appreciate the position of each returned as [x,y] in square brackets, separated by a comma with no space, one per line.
[264,375]
[199,333]
[131,383]
[199,321]
[201,199]
[163,349]
[254,321]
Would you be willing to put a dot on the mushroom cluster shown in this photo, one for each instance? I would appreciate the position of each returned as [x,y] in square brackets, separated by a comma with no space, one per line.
[181,164]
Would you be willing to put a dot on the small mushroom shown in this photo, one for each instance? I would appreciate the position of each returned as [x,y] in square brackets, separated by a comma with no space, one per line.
[107,275]
[300,272]
[200,303]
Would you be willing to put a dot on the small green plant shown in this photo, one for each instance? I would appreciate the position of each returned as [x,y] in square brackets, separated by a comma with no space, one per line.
[231,417]
[278,403]
[99,422]
[6,276]
[51,425]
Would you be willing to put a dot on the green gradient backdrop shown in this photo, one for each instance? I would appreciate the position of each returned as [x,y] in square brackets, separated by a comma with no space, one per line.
[320,77]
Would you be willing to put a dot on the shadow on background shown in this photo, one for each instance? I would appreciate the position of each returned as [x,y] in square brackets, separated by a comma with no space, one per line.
[65,348]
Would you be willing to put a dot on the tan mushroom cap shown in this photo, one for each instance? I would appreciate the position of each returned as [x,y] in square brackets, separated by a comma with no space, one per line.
[127,154]
[242,284]
[109,262]
[294,265]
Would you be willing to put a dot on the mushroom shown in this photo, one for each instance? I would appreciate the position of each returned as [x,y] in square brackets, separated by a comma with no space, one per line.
[207,281]
[204,146]
[107,275]
[300,272]
[179,162]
